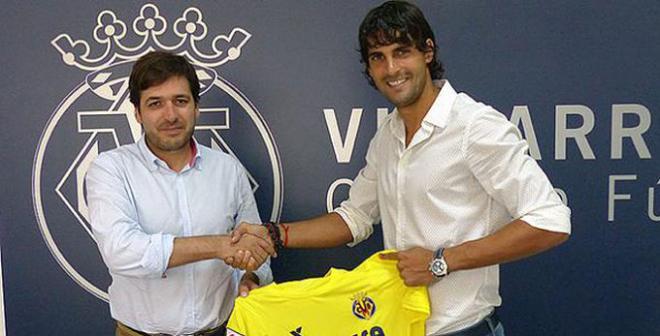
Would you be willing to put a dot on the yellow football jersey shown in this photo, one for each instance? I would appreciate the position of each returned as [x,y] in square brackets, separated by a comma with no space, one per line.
[370,300]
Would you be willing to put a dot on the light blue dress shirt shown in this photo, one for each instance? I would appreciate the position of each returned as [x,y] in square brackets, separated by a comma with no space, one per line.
[138,205]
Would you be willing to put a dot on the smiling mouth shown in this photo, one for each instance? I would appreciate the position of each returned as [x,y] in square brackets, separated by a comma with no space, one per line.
[396,83]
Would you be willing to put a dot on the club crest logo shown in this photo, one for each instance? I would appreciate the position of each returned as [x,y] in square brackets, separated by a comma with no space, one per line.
[363,306]
[97,116]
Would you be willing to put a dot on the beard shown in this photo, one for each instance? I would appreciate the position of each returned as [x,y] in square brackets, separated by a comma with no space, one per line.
[164,143]
[408,95]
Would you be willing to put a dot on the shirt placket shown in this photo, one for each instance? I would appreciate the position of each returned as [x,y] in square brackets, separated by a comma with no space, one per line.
[184,213]
[400,188]
[401,177]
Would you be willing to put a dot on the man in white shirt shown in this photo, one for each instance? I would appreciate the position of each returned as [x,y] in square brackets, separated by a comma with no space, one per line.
[448,178]
[161,210]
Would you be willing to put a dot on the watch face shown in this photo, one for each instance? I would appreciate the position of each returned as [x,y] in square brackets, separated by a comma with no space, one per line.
[438,268]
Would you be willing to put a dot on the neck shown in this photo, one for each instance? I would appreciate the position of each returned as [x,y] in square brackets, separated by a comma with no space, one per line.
[413,114]
[176,159]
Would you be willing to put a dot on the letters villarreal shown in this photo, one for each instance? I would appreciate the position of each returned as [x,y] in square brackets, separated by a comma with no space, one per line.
[370,300]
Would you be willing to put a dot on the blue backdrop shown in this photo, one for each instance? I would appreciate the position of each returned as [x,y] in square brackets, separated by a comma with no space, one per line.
[282,80]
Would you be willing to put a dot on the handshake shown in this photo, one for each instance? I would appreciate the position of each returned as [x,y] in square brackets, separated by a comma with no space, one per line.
[250,245]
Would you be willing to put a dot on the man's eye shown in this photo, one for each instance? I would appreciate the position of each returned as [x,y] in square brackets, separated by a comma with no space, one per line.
[375,58]
[402,52]
[182,101]
[154,104]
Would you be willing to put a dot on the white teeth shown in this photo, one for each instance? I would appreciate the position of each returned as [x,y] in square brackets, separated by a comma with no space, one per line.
[396,82]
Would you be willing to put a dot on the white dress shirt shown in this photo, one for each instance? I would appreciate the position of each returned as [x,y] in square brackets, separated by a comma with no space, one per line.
[138,205]
[464,175]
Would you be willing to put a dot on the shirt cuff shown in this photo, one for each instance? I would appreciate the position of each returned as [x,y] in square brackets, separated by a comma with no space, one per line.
[555,219]
[264,274]
[359,232]
[157,256]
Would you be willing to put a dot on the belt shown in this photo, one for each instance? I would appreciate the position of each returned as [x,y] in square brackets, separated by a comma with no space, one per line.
[483,328]
[219,330]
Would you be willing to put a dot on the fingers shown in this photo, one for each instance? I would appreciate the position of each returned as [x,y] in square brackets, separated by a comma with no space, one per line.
[253,229]
[260,248]
[252,265]
[251,285]
[251,249]
[412,266]
[240,259]
[248,240]
[390,256]
[258,257]
[267,246]
[413,278]
[246,286]
[245,260]
[238,232]
[243,289]
[245,257]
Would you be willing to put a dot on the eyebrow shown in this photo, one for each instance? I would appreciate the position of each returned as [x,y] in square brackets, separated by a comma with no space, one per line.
[182,95]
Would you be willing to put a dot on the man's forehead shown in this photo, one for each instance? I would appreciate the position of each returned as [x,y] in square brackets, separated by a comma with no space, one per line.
[172,86]
[382,38]
[388,46]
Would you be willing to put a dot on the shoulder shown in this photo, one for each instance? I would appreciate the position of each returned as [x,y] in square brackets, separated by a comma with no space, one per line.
[466,107]
[218,159]
[468,112]
[386,125]
[120,156]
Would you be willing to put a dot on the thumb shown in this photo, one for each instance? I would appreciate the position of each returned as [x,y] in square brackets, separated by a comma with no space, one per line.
[243,289]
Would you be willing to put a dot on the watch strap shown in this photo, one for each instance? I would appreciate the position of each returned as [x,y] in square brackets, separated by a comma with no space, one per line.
[438,253]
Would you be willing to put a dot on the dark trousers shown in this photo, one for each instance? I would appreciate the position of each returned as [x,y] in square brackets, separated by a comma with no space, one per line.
[123,330]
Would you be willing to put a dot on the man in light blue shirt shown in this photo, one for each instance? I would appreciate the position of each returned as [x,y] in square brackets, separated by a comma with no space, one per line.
[161,209]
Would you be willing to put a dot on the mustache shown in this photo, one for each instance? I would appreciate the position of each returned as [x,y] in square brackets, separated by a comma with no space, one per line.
[170,125]
[398,75]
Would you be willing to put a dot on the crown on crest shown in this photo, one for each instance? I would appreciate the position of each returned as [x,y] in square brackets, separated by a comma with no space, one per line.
[149,29]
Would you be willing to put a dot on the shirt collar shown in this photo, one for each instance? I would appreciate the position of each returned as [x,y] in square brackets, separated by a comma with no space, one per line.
[195,161]
[153,162]
[439,112]
[437,115]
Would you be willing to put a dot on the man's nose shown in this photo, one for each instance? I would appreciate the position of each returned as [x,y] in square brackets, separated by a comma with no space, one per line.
[392,65]
[170,112]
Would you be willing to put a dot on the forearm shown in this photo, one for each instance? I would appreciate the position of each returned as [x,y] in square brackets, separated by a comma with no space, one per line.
[324,231]
[515,241]
[192,249]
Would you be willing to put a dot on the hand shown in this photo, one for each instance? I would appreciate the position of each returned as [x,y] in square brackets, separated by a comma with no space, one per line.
[243,258]
[413,265]
[249,252]
[249,281]
[253,229]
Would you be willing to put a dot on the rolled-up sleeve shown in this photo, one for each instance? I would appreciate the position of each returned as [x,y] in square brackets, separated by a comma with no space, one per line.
[497,156]
[126,249]
[361,211]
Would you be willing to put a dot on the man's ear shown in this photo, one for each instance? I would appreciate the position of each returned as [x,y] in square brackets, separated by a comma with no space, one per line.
[429,53]
[138,116]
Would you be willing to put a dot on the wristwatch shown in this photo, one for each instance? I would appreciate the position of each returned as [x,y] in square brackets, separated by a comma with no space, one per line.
[438,266]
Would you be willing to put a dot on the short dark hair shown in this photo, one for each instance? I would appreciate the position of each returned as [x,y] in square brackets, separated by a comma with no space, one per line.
[155,68]
[397,22]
